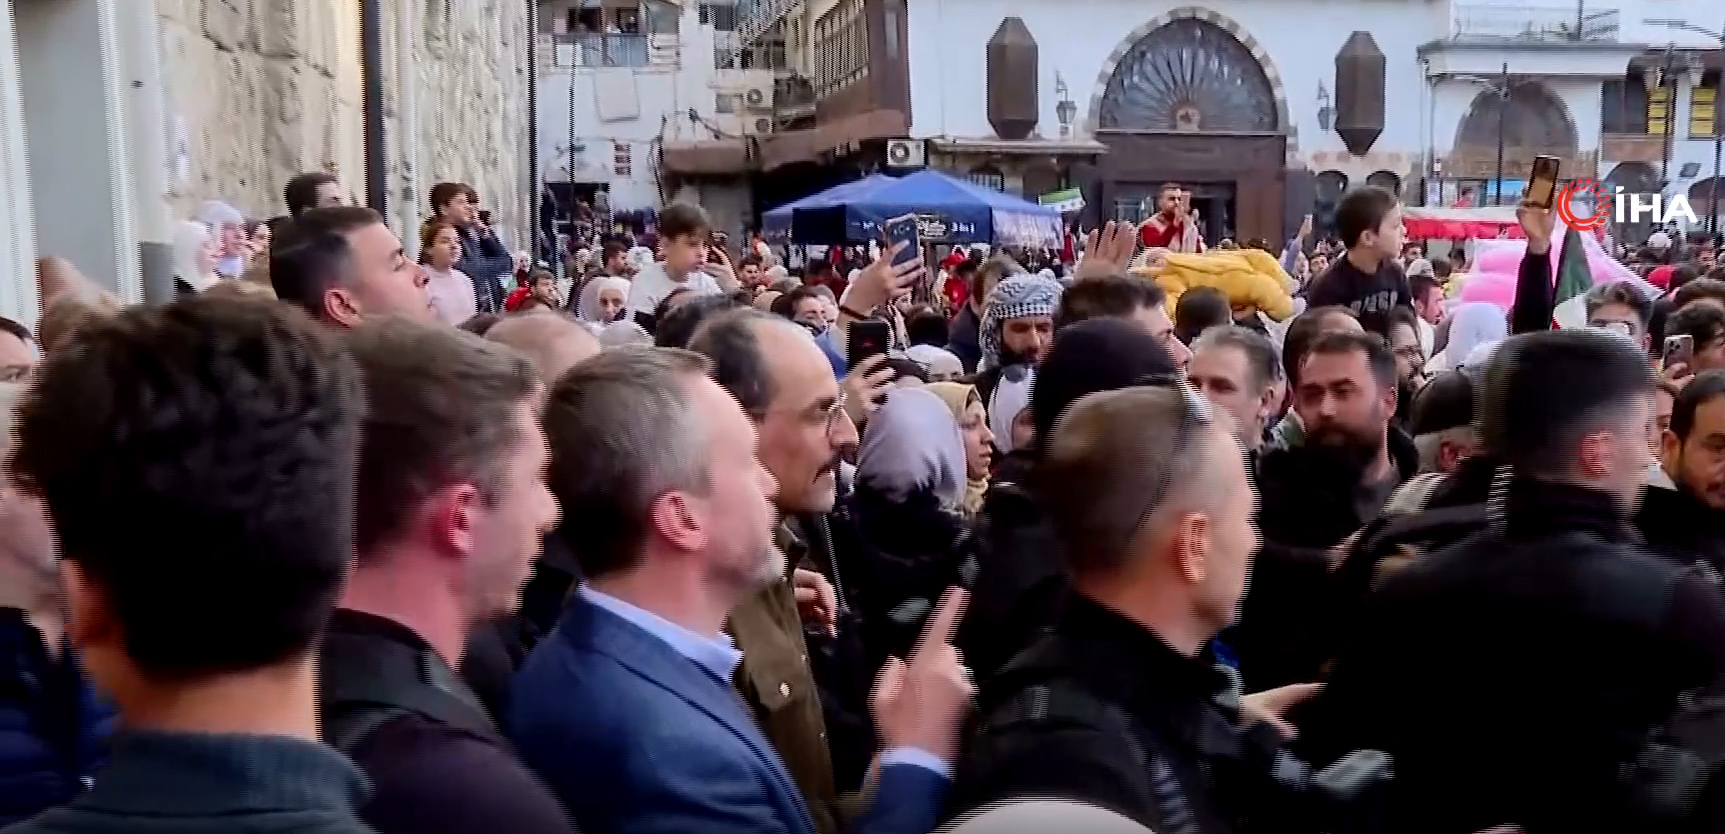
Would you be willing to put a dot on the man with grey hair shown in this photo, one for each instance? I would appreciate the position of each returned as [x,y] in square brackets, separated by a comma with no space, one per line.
[805,420]
[676,521]
[1441,421]
[553,342]
[1152,507]
[1236,368]
[42,686]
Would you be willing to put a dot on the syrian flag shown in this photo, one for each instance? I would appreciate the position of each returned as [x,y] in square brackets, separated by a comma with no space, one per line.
[1574,279]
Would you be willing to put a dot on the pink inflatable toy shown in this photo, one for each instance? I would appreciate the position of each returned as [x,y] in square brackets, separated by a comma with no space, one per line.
[1496,263]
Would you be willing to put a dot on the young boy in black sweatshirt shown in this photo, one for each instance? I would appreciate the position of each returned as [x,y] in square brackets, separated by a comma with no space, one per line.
[1367,280]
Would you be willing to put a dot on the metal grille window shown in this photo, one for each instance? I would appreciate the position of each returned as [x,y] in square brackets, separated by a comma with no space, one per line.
[988,177]
[623,159]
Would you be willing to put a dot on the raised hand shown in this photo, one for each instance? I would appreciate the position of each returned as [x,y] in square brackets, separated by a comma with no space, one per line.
[1107,250]
[921,703]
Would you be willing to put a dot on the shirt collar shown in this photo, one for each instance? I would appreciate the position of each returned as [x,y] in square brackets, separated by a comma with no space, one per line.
[718,655]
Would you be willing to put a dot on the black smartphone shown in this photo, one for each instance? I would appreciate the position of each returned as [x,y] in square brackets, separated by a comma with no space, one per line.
[902,229]
[1542,185]
[865,338]
[485,216]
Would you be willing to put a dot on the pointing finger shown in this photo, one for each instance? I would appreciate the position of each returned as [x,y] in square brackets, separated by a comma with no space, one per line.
[943,626]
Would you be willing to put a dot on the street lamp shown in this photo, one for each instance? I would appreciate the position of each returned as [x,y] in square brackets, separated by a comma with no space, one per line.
[1065,109]
[1500,86]
[1718,124]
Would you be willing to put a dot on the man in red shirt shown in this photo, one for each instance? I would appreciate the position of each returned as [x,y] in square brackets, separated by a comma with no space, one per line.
[1171,227]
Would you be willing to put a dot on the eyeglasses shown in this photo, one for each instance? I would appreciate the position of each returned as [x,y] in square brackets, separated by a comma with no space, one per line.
[1195,414]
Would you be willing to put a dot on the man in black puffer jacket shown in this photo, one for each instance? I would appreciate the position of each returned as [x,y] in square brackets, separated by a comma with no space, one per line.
[1021,580]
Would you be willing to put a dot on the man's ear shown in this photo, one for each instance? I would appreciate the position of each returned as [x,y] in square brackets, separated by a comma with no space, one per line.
[341,307]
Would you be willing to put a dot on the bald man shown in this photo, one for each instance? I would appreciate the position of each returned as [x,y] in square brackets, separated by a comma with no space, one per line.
[555,342]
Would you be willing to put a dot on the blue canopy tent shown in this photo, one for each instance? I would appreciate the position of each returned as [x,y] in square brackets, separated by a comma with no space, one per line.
[948,210]
[776,224]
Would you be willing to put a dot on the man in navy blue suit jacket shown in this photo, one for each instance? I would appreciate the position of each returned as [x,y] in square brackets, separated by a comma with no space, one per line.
[627,709]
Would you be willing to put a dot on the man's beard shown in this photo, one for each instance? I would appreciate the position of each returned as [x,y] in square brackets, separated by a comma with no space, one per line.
[1008,357]
[773,564]
[1349,447]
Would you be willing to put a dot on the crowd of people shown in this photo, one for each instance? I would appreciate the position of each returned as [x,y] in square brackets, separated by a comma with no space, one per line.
[339,541]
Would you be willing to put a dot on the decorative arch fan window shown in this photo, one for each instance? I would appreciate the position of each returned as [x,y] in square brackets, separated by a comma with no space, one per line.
[1189,75]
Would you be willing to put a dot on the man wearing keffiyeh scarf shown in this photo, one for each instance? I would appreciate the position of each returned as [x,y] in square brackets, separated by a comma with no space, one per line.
[1017,326]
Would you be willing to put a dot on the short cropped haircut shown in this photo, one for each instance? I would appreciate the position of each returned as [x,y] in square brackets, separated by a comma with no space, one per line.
[1620,292]
[1378,356]
[1697,289]
[679,219]
[1362,210]
[197,461]
[1107,453]
[1199,309]
[301,192]
[1260,352]
[1705,323]
[679,325]
[1422,285]
[445,192]
[1108,296]
[608,465]
[926,326]
[1703,389]
[1302,332]
[23,333]
[731,342]
[311,255]
[442,407]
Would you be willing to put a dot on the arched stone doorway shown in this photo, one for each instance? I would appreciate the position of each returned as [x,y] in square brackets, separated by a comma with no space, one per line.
[1634,177]
[1190,97]
[1534,122]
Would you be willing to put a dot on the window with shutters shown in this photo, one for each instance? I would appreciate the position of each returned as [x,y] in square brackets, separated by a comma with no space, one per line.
[1658,109]
[1704,107]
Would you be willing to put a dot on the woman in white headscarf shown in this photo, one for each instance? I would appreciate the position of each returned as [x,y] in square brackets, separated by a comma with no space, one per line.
[602,301]
[910,488]
[195,254]
[227,226]
[1470,326]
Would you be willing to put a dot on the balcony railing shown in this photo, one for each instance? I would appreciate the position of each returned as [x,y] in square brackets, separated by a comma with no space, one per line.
[1540,24]
[574,51]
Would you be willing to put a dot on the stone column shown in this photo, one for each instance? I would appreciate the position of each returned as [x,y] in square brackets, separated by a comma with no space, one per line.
[18,290]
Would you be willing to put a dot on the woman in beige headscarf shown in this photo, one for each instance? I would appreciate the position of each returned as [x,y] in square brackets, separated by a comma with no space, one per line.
[965,402]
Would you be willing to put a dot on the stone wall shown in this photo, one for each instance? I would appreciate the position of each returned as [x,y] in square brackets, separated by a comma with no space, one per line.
[260,90]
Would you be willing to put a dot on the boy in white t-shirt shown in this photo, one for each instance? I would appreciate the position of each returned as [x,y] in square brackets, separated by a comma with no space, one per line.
[691,261]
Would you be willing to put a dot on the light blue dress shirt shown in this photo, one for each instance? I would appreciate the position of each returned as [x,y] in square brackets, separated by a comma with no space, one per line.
[719,657]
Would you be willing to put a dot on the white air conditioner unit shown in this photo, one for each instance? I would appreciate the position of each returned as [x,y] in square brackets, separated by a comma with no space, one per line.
[756,98]
[906,153]
[760,126]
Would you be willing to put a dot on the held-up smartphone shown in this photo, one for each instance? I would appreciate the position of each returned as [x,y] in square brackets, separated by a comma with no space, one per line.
[902,229]
[1679,350]
[1542,186]
[865,338]
[485,216]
